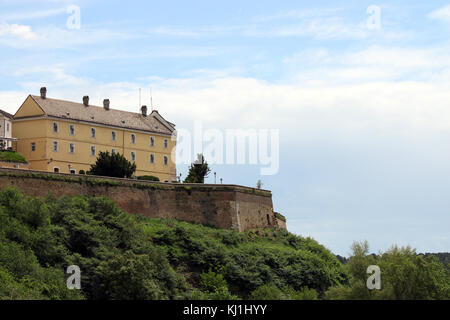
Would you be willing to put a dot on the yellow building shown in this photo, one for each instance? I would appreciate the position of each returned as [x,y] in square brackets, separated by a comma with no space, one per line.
[63,136]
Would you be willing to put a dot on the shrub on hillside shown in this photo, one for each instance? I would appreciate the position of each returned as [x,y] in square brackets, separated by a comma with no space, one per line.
[149,178]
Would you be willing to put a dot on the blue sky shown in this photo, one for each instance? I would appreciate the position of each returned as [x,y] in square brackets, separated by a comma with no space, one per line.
[363,113]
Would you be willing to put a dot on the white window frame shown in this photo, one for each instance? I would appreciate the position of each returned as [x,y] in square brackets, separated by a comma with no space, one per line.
[93,133]
[133,138]
[72,129]
[95,151]
[113,136]
[133,155]
[59,170]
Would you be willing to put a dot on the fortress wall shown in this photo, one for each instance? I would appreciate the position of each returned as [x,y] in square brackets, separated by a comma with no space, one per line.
[224,206]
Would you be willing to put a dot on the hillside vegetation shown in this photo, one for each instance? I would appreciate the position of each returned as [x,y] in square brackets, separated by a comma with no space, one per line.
[124,256]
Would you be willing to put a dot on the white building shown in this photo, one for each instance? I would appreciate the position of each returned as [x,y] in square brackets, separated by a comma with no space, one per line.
[6,138]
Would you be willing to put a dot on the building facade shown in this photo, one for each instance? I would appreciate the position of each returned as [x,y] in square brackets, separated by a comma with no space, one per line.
[63,136]
[6,137]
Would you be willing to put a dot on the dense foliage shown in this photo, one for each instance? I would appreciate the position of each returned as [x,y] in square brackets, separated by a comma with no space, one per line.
[123,256]
[404,275]
[112,165]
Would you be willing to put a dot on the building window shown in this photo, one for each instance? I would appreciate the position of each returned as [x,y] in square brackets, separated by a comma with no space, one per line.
[55,127]
[71,129]
[55,146]
[166,160]
[92,132]
[33,146]
[92,150]
[133,156]
[113,151]
[133,138]
[113,135]
[73,171]
[166,143]
[152,141]
[72,147]
[152,158]
[7,127]
[55,169]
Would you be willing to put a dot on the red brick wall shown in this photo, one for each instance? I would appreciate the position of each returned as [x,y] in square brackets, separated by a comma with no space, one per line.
[224,206]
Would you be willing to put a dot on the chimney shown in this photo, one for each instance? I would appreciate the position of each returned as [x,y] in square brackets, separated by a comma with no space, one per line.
[86,100]
[144,111]
[106,104]
[43,92]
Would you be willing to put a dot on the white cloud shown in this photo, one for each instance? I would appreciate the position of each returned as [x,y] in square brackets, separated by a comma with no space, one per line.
[31,14]
[51,37]
[442,14]
[21,32]
[365,91]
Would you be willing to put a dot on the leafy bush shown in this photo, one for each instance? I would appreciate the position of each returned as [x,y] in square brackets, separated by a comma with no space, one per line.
[149,178]
[11,156]
[112,165]
[268,292]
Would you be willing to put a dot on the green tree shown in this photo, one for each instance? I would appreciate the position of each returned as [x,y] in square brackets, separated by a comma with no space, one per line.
[112,165]
[404,275]
[198,171]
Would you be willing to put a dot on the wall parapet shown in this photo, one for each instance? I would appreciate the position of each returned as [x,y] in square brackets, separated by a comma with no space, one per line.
[113,181]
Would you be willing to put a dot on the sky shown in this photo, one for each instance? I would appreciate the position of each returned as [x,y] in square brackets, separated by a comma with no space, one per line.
[359,91]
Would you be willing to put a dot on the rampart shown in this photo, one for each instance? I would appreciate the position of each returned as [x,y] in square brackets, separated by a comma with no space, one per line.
[223,206]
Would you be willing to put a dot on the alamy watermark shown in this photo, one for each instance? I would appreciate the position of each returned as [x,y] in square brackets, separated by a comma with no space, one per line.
[229,146]
[374,20]
[374,281]
[74,20]
[74,280]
